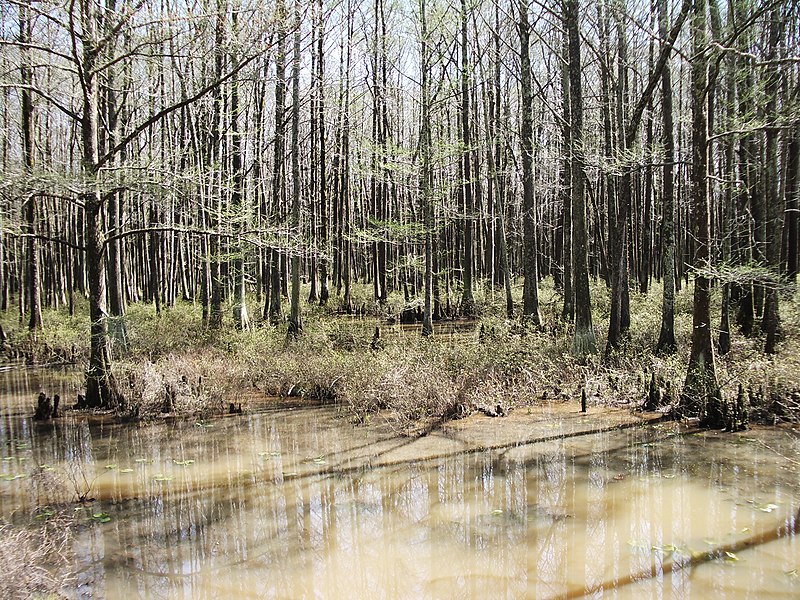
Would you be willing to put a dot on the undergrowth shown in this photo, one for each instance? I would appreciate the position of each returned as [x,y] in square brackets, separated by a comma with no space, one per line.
[169,363]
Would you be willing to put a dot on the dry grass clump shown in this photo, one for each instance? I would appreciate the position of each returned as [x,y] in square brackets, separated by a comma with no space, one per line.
[200,382]
[36,560]
[401,382]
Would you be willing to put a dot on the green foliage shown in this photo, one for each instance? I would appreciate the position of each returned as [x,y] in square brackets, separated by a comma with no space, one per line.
[64,338]
[150,335]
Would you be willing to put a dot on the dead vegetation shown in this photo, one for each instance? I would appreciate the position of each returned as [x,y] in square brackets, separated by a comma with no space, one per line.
[37,558]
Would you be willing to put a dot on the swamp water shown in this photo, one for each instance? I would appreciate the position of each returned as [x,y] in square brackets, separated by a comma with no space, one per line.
[298,503]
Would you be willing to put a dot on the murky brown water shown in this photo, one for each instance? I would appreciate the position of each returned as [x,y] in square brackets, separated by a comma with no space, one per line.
[298,503]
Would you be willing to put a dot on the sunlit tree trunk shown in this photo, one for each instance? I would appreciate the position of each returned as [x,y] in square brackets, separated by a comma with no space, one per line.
[278,179]
[701,394]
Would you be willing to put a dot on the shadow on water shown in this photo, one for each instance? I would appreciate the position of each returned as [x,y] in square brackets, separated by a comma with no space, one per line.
[299,503]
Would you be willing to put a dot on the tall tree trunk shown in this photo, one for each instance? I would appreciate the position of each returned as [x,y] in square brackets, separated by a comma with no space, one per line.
[791,193]
[568,310]
[467,299]
[28,147]
[583,342]
[324,292]
[295,318]
[425,172]
[241,317]
[215,250]
[496,153]
[530,305]
[666,337]
[620,316]
[701,393]
[278,180]
[100,386]
[771,323]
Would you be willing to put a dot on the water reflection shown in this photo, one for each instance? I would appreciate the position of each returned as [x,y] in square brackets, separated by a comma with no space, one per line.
[298,503]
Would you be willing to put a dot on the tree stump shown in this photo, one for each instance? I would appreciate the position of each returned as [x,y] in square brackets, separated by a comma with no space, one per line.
[44,408]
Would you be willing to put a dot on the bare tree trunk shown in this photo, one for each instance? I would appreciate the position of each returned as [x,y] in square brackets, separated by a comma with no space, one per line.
[467,299]
[215,287]
[530,306]
[278,180]
[568,310]
[241,316]
[771,323]
[666,338]
[701,394]
[425,172]
[295,318]
[792,190]
[324,292]
[28,147]
[100,387]
[495,159]
[583,342]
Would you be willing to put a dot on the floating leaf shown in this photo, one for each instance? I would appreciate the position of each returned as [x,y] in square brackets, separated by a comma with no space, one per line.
[731,557]
[142,460]
[290,474]
[203,424]
[111,466]
[12,476]
[497,512]
[319,461]
[766,507]
[126,470]
[744,530]
[9,457]
[101,517]
[793,573]
[184,463]
[161,477]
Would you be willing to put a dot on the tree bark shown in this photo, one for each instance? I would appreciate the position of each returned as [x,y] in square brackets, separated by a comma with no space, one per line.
[666,337]
[701,394]
[530,304]
[425,171]
[583,342]
[771,323]
[295,317]
[33,291]
[467,299]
